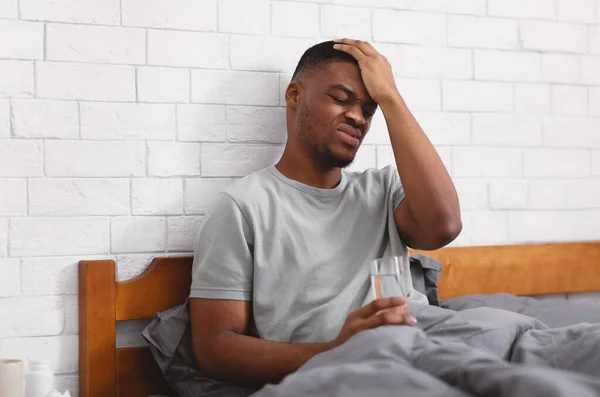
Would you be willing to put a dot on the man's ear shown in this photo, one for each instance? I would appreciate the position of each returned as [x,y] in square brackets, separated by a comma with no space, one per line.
[292,94]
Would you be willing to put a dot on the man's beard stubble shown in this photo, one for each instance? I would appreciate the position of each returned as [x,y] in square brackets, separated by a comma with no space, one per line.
[321,153]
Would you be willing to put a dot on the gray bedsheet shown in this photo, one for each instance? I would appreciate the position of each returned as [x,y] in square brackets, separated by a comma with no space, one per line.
[553,312]
[474,352]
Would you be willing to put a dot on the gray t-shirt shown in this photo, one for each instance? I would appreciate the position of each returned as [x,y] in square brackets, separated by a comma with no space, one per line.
[299,253]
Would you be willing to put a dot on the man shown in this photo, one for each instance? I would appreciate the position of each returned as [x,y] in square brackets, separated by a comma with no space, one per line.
[281,264]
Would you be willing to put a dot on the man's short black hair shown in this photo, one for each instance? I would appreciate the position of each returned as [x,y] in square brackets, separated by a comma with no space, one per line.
[320,55]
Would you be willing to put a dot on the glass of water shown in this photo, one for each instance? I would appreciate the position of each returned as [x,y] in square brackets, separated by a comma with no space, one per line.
[387,277]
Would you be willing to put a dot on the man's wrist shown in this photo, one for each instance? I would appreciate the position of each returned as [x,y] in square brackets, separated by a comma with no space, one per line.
[392,101]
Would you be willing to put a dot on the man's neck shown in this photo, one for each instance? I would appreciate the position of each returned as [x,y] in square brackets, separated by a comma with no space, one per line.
[306,171]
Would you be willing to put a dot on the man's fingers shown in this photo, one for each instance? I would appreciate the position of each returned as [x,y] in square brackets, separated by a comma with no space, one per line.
[379,305]
[388,317]
[350,49]
[364,46]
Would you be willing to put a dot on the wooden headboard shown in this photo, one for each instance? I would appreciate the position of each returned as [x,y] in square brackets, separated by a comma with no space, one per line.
[106,371]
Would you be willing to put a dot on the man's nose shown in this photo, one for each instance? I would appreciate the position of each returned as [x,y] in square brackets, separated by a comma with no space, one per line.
[356,114]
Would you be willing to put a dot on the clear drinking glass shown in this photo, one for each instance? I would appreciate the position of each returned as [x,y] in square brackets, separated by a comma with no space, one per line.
[387,277]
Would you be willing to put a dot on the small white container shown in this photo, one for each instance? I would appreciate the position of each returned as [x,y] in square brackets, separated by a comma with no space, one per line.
[39,379]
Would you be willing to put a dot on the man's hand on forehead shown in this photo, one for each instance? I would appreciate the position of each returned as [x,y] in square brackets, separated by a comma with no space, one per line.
[375,69]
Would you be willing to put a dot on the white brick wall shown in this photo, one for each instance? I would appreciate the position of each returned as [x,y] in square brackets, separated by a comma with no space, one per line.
[78,43]
[45,119]
[121,120]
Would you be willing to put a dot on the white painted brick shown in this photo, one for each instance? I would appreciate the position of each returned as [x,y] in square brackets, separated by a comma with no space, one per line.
[560,68]
[594,101]
[20,158]
[102,12]
[4,118]
[421,94]
[385,156]
[486,227]
[243,16]
[378,133]
[10,283]
[157,196]
[594,39]
[547,194]
[94,159]
[589,70]
[409,27]
[170,14]
[472,193]
[245,123]
[475,7]
[486,162]
[433,62]
[197,123]
[284,81]
[132,265]
[482,32]
[45,119]
[106,121]
[137,234]
[445,128]
[173,48]
[577,10]
[533,9]
[365,158]
[507,66]
[235,88]
[182,232]
[277,54]
[294,19]
[200,193]
[572,132]
[21,40]
[155,84]
[595,163]
[61,351]
[50,276]
[508,194]
[83,43]
[67,197]
[16,79]
[506,130]
[173,159]
[9,9]
[13,197]
[71,315]
[569,100]
[553,36]
[31,316]
[58,236]
[85,81]
[3,237]
[556,163]
[532,99]
[349,22]
[583,193]
[478,96]
[225,160]
[548,226]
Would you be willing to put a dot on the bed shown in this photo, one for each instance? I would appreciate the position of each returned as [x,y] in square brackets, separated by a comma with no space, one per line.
[105,370]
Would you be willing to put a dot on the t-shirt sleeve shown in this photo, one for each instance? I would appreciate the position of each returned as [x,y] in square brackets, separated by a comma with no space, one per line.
[223,264]
[396,188]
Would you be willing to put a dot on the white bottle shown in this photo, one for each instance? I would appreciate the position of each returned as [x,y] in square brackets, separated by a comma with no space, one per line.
[39,380]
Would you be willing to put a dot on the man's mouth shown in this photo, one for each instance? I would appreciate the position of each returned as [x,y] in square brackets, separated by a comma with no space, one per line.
[349,134]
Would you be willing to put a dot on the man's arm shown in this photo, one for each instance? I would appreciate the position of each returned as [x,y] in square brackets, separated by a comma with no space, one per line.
[429,216]
[223,351]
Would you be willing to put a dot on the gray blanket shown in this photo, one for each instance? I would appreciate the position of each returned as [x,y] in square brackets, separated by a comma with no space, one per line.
[475,352]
